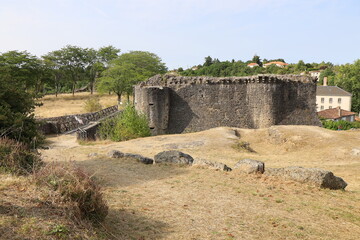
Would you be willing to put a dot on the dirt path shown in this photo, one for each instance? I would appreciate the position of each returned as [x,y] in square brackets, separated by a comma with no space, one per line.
[167,202]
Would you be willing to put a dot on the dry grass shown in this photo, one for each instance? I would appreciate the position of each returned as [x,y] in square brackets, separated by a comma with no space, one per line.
[26,214]
[167,202]
[66,104]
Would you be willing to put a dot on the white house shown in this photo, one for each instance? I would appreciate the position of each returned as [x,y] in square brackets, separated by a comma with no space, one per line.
[328,97]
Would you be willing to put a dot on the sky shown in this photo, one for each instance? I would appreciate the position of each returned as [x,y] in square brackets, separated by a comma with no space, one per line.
[183,32]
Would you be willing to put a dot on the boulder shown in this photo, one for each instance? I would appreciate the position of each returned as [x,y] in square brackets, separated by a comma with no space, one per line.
[115,154]
[215,165]
[318,177]
[140,158]
[173,157]
[94,154]
[250,166]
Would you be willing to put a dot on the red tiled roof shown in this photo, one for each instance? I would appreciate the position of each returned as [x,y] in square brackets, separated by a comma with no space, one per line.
[334,113]
[279,63]
[253,64]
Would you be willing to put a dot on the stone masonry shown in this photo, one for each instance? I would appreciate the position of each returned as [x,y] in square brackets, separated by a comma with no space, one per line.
[177,104]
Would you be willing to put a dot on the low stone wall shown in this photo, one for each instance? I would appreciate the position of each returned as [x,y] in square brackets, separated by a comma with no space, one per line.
[67,123]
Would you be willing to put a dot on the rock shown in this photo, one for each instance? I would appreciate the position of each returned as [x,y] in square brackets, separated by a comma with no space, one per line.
[355,152]
[250,166]
[216,165]
[173,157]
[115,154]
[140,158]
[318,177]
[92,154]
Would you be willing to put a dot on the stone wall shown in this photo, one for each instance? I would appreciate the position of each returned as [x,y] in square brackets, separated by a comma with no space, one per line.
[67,123]
[186,104]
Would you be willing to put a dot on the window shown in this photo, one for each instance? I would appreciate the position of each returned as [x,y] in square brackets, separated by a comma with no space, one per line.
[330,100]
[322,100]
[339,100]
[330,107]
[322,107]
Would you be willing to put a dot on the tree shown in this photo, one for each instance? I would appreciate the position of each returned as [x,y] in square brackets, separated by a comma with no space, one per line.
[72,60]
[256,59]
[348,78]
[118,79]
[18,73]
[208,61]
[129,69]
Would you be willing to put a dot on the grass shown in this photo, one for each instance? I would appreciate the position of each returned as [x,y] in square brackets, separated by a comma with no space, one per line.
[66,104]
[26,214]
[167,202]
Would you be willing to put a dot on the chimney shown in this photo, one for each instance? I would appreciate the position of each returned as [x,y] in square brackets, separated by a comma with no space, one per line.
[325,81]
[339,111]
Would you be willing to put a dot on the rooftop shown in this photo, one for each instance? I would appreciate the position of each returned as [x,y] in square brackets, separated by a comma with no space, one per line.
[334,113]
[331,91]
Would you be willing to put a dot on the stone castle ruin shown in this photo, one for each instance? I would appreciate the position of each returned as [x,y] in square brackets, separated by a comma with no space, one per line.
[176,104]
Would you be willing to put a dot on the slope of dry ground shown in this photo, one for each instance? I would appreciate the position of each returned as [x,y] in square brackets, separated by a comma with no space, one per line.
[67,104]
[168,202]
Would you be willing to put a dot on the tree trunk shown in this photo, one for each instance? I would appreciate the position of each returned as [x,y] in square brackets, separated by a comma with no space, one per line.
[73,89]
[119,99]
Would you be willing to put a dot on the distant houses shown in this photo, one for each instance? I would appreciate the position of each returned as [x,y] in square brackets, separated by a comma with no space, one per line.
[251,65]
[278,64]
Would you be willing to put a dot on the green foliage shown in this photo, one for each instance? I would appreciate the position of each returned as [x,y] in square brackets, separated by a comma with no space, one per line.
[129,69]
[128,125]
[17,97]
[339,125]
[74,187]
[348,78]
[16,158]
[92,105]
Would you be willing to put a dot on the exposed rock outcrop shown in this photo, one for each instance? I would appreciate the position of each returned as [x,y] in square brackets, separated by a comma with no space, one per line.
[250,166]
[173,157]
[318,177]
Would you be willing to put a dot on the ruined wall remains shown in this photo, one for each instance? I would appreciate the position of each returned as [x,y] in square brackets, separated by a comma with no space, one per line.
[63,124]
[184,104]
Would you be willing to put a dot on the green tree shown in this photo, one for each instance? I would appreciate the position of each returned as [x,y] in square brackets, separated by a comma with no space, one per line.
[208,61]
[129,69]
[118,79]
[18,74]
[256,59]
[348,78]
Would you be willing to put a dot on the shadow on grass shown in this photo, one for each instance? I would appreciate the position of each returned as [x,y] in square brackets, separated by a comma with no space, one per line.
[126,224]
[122,172]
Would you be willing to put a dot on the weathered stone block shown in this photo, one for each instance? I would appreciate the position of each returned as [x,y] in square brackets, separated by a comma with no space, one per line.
[115,154]
[210,164]
[173,157]
[250,166]
[318,177]
[140,158]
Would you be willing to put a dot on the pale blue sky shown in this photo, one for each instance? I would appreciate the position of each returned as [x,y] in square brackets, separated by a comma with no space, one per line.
[183,32]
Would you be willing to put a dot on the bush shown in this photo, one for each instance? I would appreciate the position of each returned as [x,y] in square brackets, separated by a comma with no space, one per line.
[17,158]
[92,105]
[340,125]
[128,125]
[76,189]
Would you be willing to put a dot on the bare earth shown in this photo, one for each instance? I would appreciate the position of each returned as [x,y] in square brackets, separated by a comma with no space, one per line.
[169,202]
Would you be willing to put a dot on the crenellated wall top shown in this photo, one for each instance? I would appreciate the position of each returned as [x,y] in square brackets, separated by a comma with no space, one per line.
[171,80]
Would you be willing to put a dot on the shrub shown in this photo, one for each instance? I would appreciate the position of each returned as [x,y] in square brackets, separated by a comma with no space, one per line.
[128,125]
[75,188]
[17,158]
[92,105]
[340,125]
